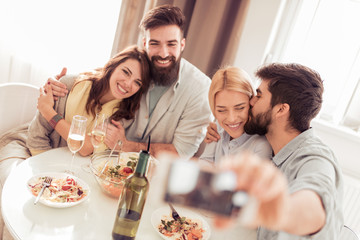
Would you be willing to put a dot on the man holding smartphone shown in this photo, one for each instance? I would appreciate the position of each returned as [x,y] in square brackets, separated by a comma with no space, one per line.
[300,192]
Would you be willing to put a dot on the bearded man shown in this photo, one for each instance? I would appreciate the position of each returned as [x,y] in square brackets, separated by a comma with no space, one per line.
[175,110]
[300,190]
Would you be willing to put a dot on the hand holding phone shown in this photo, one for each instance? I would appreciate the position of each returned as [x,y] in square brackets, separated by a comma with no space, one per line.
[190,185]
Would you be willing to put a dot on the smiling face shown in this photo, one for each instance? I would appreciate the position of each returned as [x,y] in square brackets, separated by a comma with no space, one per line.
[164,46]
[231,111]
[125,81]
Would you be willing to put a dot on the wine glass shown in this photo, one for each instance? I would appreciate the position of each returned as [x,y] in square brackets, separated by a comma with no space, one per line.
[76,137]
[98,134]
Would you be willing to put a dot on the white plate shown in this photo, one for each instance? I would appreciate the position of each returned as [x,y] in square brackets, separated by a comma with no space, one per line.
[57,175]
[159,213]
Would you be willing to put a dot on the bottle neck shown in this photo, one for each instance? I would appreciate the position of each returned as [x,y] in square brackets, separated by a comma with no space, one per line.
[142,163]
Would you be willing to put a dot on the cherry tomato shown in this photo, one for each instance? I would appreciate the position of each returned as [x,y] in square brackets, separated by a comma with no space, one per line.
[65,187]
[127,170]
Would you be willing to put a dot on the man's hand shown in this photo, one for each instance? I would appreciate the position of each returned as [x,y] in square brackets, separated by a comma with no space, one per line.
[58,88]
[114,133]
[262,180]
[212,135]
[45,100]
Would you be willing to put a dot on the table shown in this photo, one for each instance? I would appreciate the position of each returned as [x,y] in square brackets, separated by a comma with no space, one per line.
[92,219]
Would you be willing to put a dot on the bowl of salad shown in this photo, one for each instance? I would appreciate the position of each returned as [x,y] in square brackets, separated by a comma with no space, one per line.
[110,171]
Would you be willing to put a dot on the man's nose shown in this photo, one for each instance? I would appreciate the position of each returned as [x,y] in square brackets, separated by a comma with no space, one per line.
[164,51]
[252,101]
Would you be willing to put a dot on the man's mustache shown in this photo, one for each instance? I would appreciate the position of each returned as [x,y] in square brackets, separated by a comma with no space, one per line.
[155,58]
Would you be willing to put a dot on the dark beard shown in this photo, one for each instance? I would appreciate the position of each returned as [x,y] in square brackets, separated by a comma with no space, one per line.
[165,76]
[258,124]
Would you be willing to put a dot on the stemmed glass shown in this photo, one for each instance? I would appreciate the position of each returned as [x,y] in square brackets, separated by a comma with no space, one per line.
[98,134]
[76,137]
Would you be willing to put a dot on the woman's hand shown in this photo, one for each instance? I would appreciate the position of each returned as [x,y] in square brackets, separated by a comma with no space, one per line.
[114,133]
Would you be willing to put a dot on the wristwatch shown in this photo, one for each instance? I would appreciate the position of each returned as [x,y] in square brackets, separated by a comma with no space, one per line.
[55,119]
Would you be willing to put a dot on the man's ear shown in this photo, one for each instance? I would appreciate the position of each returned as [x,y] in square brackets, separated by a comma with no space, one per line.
[282,109]
[144,42]
[182,44]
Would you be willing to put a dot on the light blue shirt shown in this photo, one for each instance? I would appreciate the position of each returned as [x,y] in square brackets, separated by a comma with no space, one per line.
[309,164]
[253,143]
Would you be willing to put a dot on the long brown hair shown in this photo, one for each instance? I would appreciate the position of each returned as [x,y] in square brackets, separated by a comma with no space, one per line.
[101,78]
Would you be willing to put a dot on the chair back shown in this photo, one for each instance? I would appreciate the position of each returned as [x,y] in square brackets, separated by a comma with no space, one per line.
[18,104]
[348,234]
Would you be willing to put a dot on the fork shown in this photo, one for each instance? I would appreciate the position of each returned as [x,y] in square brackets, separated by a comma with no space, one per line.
[174,213]
[46,183]
[119,143]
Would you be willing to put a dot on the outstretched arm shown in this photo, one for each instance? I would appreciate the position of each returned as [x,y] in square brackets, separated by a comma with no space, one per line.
[299,213]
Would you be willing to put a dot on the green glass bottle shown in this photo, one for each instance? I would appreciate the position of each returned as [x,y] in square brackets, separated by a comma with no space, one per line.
[132,201]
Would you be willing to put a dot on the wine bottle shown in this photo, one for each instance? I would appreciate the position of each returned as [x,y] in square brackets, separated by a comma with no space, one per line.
[132,201]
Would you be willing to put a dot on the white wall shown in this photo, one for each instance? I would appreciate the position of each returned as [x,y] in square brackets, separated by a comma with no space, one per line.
[344,142]
[262,19]
[257,37]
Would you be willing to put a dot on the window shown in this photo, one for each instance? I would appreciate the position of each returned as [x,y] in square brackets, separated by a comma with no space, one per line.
[324,35]
[39,37]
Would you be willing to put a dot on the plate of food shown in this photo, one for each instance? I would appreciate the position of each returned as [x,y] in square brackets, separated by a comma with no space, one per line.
[65,190]
[190,225]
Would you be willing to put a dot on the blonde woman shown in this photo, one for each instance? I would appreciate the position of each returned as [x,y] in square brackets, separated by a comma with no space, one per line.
[229,96]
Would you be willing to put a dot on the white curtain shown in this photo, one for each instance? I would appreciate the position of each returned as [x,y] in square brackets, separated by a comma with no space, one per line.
[39,37]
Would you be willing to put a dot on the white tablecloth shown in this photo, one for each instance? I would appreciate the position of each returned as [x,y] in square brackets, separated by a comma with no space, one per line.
[92,219]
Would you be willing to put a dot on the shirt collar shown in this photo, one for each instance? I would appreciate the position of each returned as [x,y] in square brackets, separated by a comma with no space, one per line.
[289,148]
[243,138]
[177,83]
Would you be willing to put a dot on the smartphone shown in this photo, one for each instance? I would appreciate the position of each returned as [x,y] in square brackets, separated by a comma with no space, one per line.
[189,185]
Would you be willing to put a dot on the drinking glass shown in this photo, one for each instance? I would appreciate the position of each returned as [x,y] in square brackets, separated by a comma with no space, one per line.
[98,132]
[76,137]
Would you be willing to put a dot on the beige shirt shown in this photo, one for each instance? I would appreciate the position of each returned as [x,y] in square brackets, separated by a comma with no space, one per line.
[181,115]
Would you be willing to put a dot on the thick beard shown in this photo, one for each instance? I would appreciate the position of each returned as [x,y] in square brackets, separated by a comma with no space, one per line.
[258,124]
[165,76]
